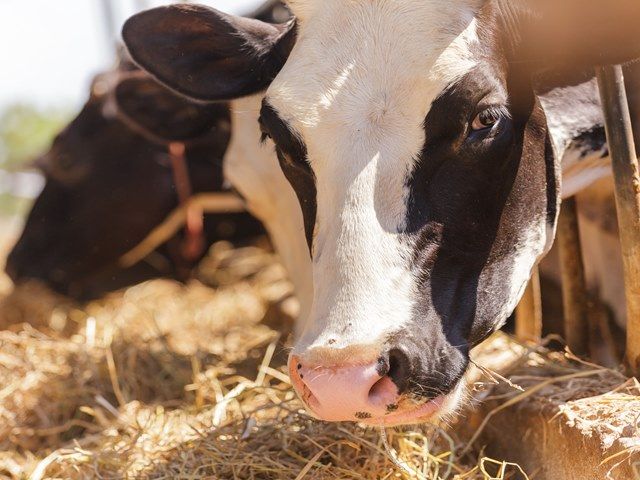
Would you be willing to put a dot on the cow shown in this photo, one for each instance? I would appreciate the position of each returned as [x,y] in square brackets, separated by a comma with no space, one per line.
[110,182]
[132,170]
[426,142]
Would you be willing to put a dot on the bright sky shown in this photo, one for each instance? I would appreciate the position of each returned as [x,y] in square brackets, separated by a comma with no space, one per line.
[50,50]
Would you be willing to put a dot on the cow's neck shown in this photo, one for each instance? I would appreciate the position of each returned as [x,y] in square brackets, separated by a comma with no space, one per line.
[576,127]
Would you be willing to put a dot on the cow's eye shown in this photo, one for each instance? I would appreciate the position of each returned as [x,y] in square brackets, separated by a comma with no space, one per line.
[264,133]
[65,162]
[487,119]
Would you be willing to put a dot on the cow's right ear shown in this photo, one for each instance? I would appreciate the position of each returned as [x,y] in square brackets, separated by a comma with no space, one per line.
[205,54]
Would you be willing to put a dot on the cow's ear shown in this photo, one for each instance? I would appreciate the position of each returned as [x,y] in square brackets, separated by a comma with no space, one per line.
[572,34]
[206,54]
[157,112]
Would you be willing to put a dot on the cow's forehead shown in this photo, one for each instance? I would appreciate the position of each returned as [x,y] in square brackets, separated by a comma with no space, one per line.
[305,9]
[373,61]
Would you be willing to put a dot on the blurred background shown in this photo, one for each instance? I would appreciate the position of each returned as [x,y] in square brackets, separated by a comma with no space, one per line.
[51,51]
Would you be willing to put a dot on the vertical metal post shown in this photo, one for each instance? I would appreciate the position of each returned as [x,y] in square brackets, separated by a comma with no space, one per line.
[574,289]
[141,5]
[529,311]
[627,192]
[109,16]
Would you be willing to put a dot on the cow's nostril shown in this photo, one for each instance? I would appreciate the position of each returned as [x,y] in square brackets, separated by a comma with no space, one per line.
[383,393]
[399,368]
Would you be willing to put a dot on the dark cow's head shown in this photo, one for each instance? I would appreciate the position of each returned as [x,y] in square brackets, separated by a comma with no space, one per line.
[109,183]
[413,135]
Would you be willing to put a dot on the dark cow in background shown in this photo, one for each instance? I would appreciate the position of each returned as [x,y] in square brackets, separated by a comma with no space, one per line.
[109,183]
[425,142]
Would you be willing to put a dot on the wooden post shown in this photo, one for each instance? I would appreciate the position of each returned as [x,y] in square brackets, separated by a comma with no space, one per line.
[574,289]
[529,312]
[627,181]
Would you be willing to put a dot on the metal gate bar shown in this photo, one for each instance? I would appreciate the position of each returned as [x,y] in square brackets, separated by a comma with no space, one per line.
[627,192]
[110,26]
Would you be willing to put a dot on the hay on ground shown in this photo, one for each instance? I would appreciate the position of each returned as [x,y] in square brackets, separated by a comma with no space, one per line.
[166,381]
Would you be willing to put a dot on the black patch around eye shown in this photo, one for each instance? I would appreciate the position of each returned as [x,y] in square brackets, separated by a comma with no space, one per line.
[470,204]
[278,130]
[292,155]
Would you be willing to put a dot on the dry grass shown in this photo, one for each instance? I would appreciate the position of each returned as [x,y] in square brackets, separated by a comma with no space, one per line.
[166,381]
[171,382]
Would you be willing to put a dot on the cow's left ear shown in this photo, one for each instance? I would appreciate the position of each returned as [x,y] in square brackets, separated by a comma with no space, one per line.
[571,34]
[206,54]
[157,112]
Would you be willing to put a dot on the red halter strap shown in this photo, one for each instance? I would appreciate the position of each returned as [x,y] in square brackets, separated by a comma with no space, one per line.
[194,242]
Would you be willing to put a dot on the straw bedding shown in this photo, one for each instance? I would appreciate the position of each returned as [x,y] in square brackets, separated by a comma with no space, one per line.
[165,381]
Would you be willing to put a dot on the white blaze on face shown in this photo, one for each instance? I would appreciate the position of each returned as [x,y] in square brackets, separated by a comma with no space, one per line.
[357,88]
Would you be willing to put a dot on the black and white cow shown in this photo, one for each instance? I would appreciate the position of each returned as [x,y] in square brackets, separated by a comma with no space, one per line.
[424,142]
[110,185]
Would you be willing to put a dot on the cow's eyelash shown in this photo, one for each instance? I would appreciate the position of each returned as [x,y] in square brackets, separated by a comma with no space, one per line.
[499,111]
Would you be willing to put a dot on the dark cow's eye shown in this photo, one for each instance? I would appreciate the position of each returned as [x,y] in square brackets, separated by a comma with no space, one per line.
[65,162]
[487,119]
[264,133]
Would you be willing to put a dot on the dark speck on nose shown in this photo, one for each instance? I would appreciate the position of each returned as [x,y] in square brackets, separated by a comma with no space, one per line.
[383,367]
[392,407]
[363,415]
[299,366]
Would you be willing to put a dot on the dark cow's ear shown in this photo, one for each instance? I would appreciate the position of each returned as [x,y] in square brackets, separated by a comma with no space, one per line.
[206,54]
[572,34]
[157,112]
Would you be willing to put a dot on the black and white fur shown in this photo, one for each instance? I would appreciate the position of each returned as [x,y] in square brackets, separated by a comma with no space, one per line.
[424,141]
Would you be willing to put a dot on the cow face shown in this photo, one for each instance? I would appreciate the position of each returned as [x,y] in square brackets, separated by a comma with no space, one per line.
[109,183]
[413,136]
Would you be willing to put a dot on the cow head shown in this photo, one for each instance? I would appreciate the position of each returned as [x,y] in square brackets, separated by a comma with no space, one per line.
[109,182]
[414,138]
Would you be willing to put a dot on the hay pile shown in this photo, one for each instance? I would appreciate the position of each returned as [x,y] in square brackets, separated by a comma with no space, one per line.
[166,381]
[171,382]
[564,415]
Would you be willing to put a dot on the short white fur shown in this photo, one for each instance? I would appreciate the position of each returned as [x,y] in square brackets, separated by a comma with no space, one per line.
[356,89]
